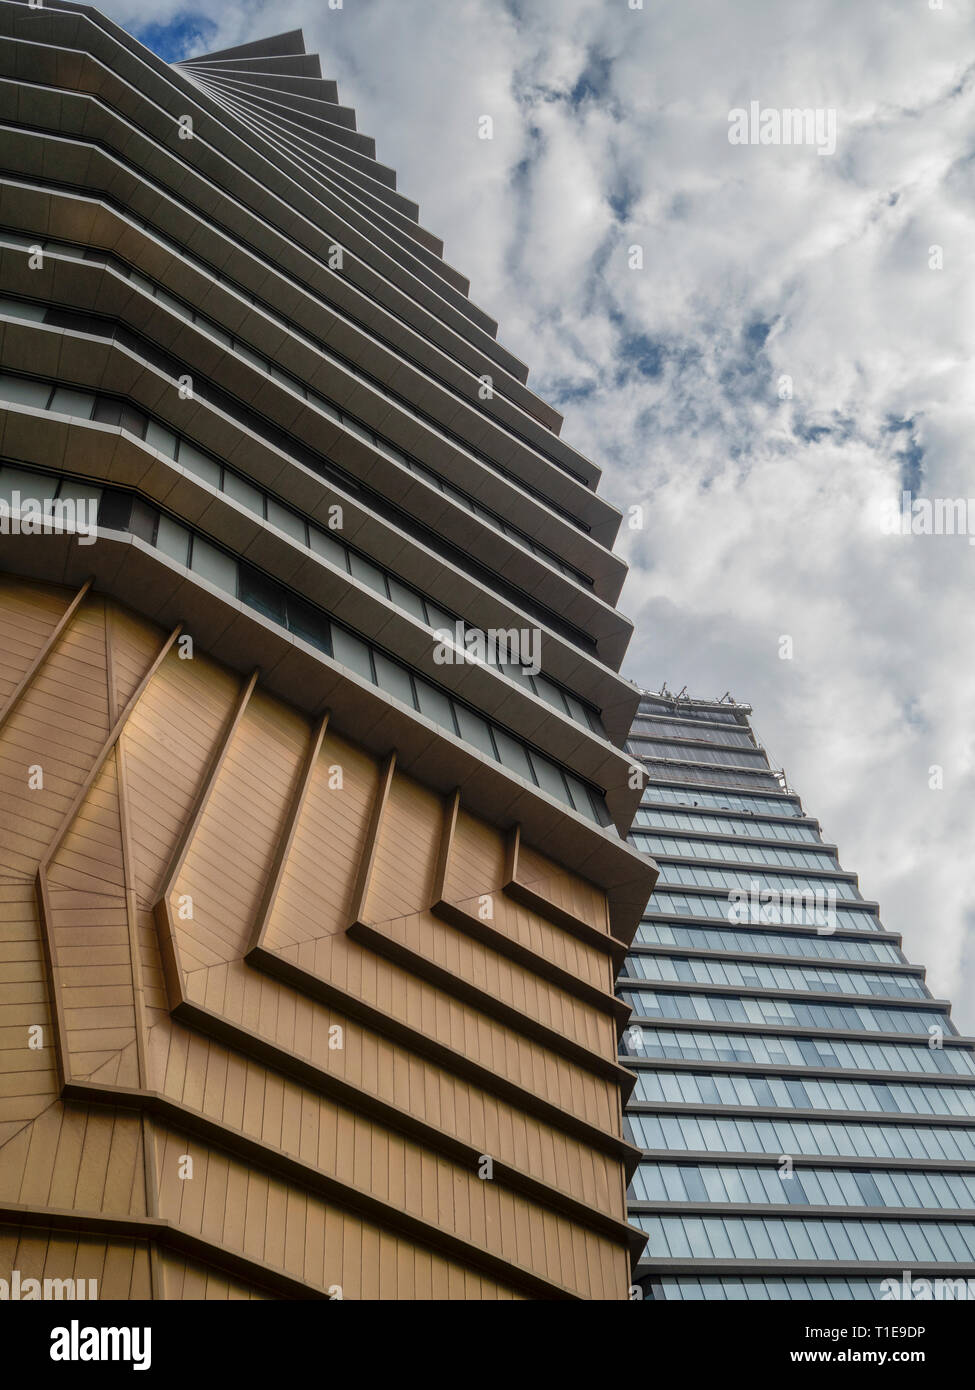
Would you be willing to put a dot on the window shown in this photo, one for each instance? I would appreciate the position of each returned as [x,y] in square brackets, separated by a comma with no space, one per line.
[69,402]
[321,543]
[21,391]
[258,591]
[670,903]
[723,800]
[105,410]
[813,978]
[286,520]
[549,777]
[753,942]
[214,565]
[173,540]
[475,730]
[513,755]
[308,623]
[243,492]
[159,437]
[392,678]
[142,520]
[25,483]
[703,876]
[672,846]
[68,488]
[776,1050]
[407,599]
[434,704]
[367,572]
[352,652]
[192,459]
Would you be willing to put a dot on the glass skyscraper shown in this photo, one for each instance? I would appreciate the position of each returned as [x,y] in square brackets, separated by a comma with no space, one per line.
[805,1107]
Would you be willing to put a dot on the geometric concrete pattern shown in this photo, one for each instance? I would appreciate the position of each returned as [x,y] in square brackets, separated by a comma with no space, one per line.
[248,942]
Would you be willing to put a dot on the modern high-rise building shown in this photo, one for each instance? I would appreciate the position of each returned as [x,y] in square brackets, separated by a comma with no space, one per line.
[805,1107]
[314,881]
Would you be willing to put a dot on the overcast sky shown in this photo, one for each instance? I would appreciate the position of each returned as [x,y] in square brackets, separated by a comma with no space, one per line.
[793,354]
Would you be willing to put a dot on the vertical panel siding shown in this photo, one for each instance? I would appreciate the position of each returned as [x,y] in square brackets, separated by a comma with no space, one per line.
[315,896]
[232,852]
[477,856]
[103,882]
[120,1268]
[186,1278]
[28,1076]
[28,616]
[76,1156]
[564,889]
[168,743]
[339,1143]
[321,1242]
[59,725]
[406,852]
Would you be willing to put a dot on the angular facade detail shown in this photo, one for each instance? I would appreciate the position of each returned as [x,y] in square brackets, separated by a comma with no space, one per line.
[805,1107]
[313,873]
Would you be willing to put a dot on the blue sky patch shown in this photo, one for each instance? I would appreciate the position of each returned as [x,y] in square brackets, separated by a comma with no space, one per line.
[185,35]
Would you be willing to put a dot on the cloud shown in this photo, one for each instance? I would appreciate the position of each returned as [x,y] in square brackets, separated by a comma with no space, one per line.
[785,362]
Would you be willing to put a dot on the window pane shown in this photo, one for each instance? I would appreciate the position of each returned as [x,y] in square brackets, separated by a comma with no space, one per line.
[549,777]
[434,704]
[550,693]
[199,463]
[113,513]
[580,796]
[177,305]
[249,356]
[328,548]
[513,755]
[243,492]
[438,618]
[262,593]
[68,402]
[142,520]
[474,730]
[159,437]
[134,420]
[223,338]
[519,674]
[173,540]
[351,652]
[78,491]
[309,623]
[407,599]
[212,564]
[581,714]
[286,520]
[392,678]
[26,483]
[357,430]
[320,403]
[368,572]
[23,392]
[20,309]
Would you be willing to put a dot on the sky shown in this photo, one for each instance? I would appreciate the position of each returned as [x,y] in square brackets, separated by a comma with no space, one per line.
[762,344]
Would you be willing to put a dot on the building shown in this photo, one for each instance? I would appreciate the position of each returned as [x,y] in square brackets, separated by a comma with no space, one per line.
[313,867]
[805,1107]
